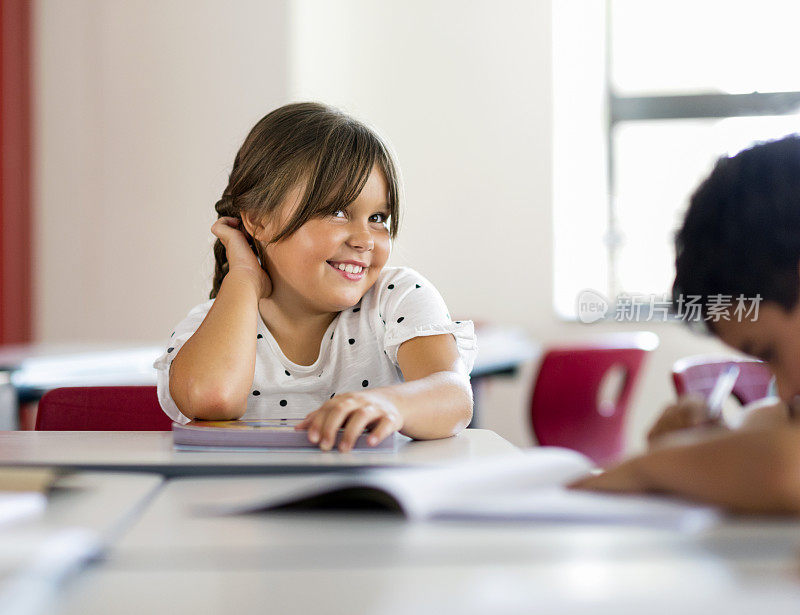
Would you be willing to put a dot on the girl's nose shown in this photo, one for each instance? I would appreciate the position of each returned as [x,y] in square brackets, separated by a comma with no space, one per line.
[361,240]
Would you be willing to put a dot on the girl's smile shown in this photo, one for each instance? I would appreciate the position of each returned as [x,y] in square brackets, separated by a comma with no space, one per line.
[350,270]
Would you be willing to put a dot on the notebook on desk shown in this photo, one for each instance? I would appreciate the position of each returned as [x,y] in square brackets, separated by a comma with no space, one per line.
[254,434]
[525,487]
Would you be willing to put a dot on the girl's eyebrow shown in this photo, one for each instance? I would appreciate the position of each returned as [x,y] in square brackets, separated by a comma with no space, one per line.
[382,209]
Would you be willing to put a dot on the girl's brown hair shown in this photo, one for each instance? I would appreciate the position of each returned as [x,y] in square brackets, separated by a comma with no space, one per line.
[331,152]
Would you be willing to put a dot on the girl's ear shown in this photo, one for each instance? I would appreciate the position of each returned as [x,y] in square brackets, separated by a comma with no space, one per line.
[254,227]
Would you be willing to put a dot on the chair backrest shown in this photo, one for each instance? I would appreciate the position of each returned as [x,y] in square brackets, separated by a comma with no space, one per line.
[567,408]
[699,374]
[119,408]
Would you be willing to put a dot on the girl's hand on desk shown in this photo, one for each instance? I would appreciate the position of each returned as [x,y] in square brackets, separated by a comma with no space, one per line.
[240,255]
[356,412]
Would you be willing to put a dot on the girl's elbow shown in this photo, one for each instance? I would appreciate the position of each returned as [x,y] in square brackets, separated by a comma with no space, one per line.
[465,412]
[214,403]
[462,424]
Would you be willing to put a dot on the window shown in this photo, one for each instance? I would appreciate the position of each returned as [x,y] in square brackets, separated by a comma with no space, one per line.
[684,83]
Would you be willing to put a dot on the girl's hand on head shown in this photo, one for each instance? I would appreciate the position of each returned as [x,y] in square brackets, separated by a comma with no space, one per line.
[240,255]
[355,412]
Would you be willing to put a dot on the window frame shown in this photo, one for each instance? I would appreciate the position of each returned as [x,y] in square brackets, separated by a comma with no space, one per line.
[623,109]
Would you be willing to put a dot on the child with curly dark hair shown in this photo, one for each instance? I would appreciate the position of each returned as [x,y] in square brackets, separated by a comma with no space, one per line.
[740,238]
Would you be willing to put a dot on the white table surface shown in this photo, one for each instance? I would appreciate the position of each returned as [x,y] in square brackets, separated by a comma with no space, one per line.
[174,560]
[104,502]
[167,558]
[47,366]
[97,508]
[153,451]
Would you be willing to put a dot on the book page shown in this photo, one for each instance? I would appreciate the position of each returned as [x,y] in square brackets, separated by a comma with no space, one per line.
[525,487]
[423,492]
[420,492]
[559,504]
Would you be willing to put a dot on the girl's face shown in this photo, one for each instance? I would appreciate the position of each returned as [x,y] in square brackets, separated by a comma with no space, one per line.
[330,262]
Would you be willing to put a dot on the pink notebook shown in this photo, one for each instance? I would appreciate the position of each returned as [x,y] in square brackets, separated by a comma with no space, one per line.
[256,433]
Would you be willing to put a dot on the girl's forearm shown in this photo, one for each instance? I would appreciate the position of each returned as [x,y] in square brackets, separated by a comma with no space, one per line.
[437,406]
[211,376]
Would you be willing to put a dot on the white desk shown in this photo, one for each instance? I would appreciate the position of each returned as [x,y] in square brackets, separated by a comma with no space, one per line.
[175,561]
[90,511]
[104,502]
[152,451]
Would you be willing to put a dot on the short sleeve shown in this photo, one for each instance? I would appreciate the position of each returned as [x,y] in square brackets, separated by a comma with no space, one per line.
[183,331]
[411,307]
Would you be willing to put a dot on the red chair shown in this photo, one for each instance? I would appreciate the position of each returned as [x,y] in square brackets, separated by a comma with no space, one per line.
[699,375]
[120,408]
[571,405]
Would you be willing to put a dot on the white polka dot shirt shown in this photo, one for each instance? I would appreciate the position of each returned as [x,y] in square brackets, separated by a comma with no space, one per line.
[358,351]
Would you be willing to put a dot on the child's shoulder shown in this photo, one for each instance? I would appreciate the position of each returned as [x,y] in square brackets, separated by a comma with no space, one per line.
[394,283]
[399,278]
[397,286]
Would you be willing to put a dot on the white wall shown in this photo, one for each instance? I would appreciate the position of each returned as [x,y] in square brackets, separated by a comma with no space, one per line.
[462,90]
[141,106]
[139,109]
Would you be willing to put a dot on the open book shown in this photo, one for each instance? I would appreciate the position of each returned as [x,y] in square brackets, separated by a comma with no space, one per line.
[256,433]
[526,486]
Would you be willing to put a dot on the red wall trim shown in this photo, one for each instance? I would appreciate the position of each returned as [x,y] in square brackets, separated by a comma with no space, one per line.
[15,171]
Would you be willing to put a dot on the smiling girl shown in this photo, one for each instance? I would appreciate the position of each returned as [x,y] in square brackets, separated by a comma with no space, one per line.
[305,319]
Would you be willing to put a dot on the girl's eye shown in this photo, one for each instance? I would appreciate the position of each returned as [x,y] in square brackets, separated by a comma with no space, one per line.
[379,218]
[339,213]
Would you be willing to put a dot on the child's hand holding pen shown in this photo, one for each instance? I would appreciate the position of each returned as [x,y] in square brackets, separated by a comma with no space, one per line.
[693,411]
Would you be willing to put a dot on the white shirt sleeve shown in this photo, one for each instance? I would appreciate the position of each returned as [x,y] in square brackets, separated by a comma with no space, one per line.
[183,331]
[411,307]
